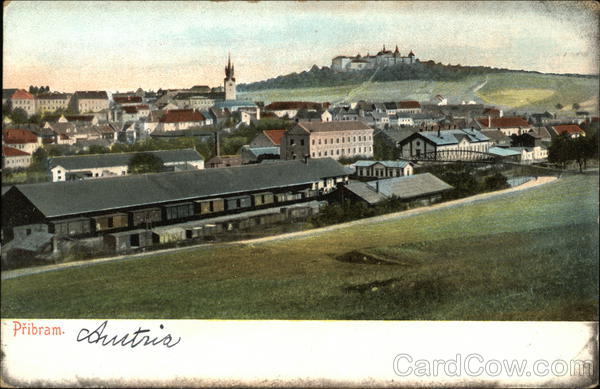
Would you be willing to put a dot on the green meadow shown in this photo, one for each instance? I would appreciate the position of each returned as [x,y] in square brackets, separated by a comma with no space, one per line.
[525,92]
[529,255]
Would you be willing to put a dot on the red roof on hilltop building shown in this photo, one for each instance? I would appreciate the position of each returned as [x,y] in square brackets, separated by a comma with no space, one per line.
[409,104]
[568,129]
[274,136]
[18,136]
[22,94]
[181,115]
[12,152]
[504,122]
[130,109]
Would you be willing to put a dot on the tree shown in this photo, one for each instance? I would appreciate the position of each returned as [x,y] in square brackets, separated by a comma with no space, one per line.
[39,160]
[557,152]
[145,163]
[559,106]
[576,106]
[98,149]
[496,182]
[19,116]
[36,118]
[6,109]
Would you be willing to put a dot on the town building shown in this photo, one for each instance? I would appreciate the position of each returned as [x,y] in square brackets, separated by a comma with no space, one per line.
[382,169]
[221,161]
[50,102]
[14,158]
[418,189]
[571,130]
[84,208]
[290,108]
[180,119]
[23,100]
[327,140]
[116,164]
[89,101]
[21,139]
[409,106]
[459,144]
[508,125]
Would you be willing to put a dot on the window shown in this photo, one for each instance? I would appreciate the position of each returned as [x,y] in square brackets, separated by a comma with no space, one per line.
[337,140]
[291,142]
[301,142]
[319,141]
[313,142]
[325,153]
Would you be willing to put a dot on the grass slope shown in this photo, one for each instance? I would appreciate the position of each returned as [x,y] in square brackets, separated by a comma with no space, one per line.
[522,91]
[528,255]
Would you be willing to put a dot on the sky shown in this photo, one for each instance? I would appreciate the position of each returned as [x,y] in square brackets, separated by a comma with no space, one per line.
[123,45]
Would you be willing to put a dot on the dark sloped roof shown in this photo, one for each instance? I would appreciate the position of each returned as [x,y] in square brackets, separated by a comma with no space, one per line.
[365,192]
[120,159]
[449,137]
[76,197]
[349,125]
[91,95]
[408,187]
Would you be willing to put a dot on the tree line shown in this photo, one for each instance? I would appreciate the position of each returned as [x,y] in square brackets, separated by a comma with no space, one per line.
[565,150]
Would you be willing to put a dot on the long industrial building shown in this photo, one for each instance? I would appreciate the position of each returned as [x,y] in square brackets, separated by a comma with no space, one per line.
[95,207]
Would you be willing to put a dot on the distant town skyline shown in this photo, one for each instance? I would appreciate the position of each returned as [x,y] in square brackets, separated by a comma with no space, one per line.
[125,45]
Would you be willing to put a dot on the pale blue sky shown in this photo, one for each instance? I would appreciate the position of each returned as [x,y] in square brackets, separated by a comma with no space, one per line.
[122,45]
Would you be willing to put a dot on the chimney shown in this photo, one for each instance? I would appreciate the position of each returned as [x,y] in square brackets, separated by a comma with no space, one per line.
[377,186]
[489,121]
[439,132]
[217,147]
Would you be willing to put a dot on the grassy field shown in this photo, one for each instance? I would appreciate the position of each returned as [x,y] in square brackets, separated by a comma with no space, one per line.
[522,91]
[530,255]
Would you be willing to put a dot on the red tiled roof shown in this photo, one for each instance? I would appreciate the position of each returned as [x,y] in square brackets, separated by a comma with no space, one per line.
[274,136]
[128,99]
[22,94]
[409,104]
[492,111]
[12,152]
[130,109]
[18,136]
[279,105]
[181,115]
[142,106]
[504,122]
[568,128]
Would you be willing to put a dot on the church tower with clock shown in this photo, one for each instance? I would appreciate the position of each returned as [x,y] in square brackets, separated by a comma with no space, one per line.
[229,82]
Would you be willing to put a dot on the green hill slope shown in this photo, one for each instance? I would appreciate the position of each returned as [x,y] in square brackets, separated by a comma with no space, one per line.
[523,92]
[530,255]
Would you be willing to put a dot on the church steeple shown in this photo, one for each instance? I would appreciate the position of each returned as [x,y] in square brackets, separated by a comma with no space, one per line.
[229,81]
[229,75]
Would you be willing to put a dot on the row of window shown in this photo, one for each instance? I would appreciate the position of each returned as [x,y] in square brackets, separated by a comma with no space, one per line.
[342,152]
[361,138]
[12,161]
